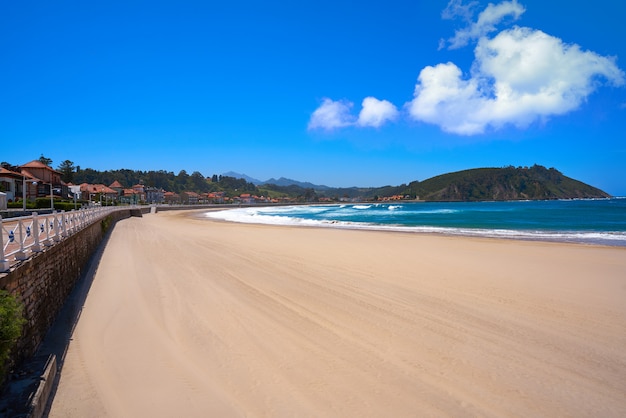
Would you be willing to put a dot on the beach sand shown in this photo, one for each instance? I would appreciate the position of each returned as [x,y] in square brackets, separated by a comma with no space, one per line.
[199,318]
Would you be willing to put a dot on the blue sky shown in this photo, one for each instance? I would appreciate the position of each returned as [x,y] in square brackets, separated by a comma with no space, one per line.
[341,93]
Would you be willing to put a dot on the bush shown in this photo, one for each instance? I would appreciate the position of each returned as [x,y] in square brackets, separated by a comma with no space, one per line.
[66,206]
[20,205]
[11,322]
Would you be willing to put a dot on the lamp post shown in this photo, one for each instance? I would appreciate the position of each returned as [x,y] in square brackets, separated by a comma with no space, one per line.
[51,194]
[51,197]
[24,192]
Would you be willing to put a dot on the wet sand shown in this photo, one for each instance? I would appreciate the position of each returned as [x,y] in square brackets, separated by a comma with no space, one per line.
[196,318]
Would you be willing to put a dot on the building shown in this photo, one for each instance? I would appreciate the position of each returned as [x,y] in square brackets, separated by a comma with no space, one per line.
[154,195]
[46,180]
[171,198]
[97,193]
[190,198]
[11,183]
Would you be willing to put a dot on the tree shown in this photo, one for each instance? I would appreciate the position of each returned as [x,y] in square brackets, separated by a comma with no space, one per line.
[67,171]
[198,182]
[47,161]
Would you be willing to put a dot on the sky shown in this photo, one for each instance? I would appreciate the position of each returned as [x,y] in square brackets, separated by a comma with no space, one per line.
[334,92]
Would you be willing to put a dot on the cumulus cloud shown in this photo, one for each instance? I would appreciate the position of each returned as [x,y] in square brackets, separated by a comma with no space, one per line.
[336,114]
[376,112]
[331,115]
[486,22]
[519,76]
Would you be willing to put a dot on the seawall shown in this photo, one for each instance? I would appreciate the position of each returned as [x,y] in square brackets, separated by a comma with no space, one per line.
[43,282]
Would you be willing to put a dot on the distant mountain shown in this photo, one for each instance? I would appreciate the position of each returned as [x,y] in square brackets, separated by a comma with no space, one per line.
[243,176]
[508,183]
[289,182]
[278,182]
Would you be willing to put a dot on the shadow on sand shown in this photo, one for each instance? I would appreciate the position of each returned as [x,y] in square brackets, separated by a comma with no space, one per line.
[21,389]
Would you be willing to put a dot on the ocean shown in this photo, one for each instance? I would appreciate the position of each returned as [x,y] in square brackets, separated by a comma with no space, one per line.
[597,221]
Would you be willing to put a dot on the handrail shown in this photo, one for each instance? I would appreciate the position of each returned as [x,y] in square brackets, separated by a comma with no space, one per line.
[22,237]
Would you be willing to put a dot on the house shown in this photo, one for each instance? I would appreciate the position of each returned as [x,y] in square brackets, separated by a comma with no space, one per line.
[171,198]
[130,196]
[246,198]
[216,197]
[117,186]
[154,195]
[46,180]
[139,190]
[97,192]
[190,198]
[11,183]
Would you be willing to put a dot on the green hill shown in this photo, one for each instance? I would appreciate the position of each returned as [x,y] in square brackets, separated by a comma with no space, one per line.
[508,183]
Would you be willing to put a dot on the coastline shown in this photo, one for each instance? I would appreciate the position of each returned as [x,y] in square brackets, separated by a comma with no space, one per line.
[451,219]
[198,317]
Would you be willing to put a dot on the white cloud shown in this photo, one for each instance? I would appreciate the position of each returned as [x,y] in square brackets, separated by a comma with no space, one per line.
[518,77]
[336,114]
[331,115]
[486,22]
[456,8]
[376,112]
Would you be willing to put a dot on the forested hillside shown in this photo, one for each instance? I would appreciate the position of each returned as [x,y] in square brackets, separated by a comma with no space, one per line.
[508,183]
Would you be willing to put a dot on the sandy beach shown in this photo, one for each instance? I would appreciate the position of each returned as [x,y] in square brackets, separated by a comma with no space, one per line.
[199,318]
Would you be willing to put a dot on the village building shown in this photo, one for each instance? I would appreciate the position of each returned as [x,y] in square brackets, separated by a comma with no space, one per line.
[189,198]
[97,193]
[11,183]
[171,198]
[46,180]
[154,195]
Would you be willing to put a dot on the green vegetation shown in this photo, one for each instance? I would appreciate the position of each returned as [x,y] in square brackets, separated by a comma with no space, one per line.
[44,203]
[508,183]
[11,322]
[105,224]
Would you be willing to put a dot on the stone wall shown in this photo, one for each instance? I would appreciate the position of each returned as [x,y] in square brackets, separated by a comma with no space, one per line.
[43,282]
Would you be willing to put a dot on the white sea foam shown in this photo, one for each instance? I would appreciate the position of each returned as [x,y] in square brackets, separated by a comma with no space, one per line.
[279,216]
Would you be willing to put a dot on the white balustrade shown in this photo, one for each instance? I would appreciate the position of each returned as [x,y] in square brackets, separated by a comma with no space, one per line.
[24,236]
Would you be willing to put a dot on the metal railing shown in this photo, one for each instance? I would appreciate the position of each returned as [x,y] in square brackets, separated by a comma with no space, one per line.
[21,237]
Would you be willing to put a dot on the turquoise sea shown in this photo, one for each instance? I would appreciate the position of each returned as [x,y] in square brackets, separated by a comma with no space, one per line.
[601,221]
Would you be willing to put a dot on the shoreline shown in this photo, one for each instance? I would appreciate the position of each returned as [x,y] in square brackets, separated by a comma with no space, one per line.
[566,237]
[262,320]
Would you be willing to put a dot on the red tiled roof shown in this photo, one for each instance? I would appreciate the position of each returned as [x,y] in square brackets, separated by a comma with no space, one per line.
[38,164]
[4,171]
[116,184]
[96,188]
[29,175]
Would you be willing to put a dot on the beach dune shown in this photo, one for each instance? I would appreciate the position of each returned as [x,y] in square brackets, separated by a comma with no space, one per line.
[193,317]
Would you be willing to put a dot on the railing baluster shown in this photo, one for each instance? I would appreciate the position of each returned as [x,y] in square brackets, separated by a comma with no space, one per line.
[4,263]
[57,227]
[21,254]
[48,242]
[36,232]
